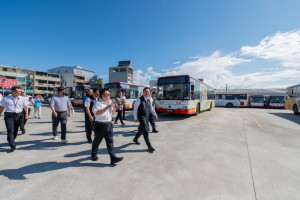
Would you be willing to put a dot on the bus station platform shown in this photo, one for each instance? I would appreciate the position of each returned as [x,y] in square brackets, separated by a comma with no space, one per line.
[223,154]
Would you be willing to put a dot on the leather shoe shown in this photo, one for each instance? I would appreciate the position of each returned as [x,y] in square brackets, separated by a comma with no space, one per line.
[94,157]
[23,131]
[155,131]
[136,141]
[90,141]
[115,160]
[151,149]
[13,149]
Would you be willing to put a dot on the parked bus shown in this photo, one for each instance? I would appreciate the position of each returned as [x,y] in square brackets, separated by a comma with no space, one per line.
[80,93]
[132,92]
[292,101]
[183,94]
[256,101]
[275,102]
[231,100]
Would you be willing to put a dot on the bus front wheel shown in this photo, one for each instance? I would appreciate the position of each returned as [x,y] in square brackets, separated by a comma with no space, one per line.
[295,108]
[229,105]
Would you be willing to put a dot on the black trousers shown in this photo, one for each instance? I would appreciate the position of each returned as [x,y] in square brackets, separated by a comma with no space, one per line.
[152,121]
[124,109]
[104,131]
[119,116]
[23,122]
[62,118]
[12,123]
[88,127]
[143,129]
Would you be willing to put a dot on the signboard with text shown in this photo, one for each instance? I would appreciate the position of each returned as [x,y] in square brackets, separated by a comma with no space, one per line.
[8,83]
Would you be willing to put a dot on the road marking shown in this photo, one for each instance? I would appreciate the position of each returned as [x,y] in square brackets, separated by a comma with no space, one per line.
[255,120]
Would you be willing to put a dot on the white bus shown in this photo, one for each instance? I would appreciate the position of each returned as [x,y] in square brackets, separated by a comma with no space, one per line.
[231,100]
[256,101]
[132,92]
[275,101]
[183,94]
[292,101]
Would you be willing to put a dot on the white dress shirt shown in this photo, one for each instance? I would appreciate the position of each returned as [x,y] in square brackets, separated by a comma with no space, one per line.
[137,104]
[12,104]
[107,115]
[28,102]
[1,98]
[87,102]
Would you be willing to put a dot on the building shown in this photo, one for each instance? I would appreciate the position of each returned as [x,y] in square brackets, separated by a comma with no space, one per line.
[34,82]
[73,75]
[122,73]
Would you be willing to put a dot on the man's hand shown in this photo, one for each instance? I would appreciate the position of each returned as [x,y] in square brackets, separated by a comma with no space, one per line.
[55,114]
[69,114]
[112,105]
[26,116]
[156,118]
[91,118]
[135,121]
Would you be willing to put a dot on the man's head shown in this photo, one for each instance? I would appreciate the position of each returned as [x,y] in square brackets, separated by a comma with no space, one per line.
[23,93]
[96,92]
[61,90]
[153,94]
[90,92]
[16,91]
[146,92]
[124,94]
[105,94]
[120,93]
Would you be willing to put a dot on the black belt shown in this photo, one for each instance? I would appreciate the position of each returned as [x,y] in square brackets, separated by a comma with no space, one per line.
[10,113]
[103,123]
[60,111]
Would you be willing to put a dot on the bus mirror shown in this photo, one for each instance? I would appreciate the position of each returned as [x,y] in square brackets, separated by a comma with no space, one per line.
[192,88]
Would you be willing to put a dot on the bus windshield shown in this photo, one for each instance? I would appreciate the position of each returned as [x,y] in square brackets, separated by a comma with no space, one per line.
[114,89]
[277,99]
[257,99]
[173,88]
[80,92]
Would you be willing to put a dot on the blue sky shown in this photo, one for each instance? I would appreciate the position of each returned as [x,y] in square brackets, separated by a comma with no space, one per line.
[220,41]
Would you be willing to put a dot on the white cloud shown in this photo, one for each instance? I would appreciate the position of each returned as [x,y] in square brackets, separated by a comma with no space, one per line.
[216,69]
[177,62]
[282,47]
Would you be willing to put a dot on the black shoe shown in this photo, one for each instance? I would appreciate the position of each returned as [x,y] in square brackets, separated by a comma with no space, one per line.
[155,131]
[151,149]
[136,141]
[115,160]
[90,141]
[13,149]
[94,157]
[23,131]
[123,124]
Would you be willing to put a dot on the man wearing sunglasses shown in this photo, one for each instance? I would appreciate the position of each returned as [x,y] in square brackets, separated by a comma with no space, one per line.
[13,106]
[103,128]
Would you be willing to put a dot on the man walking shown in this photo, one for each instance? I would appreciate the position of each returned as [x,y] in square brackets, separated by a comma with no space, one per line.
[89,115]
[61,110]
[124,104]
[29,103]
[13,105]
[103,128]
[151,116]
[120,107]
[38,106]
[141,112]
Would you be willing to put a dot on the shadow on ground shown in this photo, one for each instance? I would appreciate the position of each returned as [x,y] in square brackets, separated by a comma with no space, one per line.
[289,116]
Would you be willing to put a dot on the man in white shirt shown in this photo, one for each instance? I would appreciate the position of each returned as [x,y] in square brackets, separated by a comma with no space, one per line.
[103,128]
[30,102]
[1,97]
[142,109]
[13,105]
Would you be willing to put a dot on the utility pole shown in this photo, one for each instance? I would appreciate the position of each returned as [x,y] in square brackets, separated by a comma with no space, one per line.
[226,88]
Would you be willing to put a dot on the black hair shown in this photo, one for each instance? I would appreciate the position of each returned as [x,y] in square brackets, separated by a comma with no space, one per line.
[153,92]
[103,91]
[146,88]
[15,87]
[60,89]
[95,90]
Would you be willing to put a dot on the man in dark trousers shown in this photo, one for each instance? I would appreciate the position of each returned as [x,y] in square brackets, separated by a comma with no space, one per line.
[13,105]
[103,128]
[30,102]
[124,107]
[61,110]
[89,115]
[152,117]
[142,109]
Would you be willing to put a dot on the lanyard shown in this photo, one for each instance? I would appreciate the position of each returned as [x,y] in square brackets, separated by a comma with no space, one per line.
[15,103]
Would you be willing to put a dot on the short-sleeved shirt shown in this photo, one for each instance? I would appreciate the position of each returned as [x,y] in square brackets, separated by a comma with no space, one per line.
[61,104]
[1,98]
[12,104]
[28,102]
[38,102]
[87,102]
[107,115]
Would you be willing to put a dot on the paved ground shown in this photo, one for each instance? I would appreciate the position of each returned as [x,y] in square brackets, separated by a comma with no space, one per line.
[224,154]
